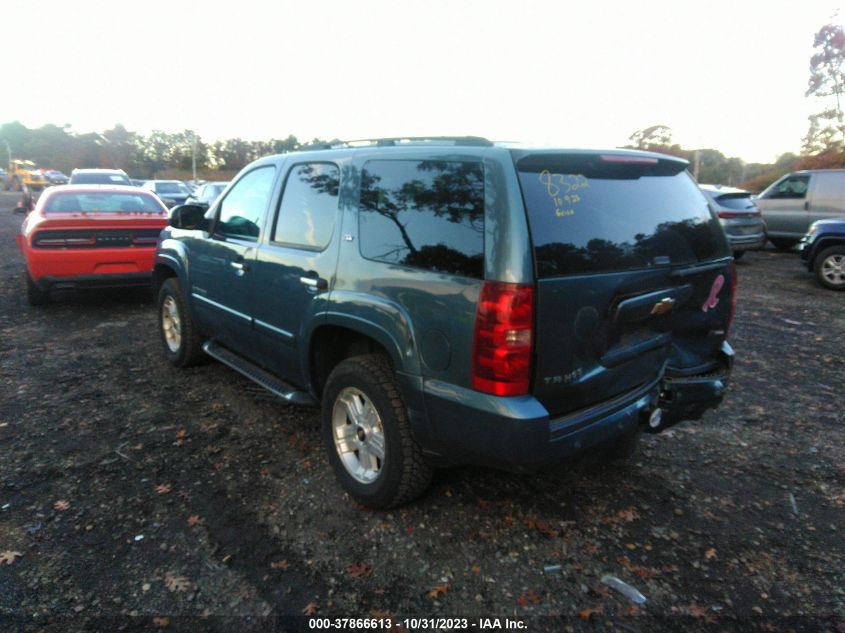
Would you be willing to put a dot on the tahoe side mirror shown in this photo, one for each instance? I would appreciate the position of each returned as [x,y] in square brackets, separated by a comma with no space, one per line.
[20,209]
[188,216]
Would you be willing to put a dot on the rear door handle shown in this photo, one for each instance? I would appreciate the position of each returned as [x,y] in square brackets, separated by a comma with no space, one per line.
[317,283]
[807,205]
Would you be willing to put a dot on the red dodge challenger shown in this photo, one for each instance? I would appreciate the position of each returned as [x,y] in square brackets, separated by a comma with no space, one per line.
[90,236]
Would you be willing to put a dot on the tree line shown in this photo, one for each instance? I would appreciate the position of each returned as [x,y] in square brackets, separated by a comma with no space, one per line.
[154,155]
[165,154]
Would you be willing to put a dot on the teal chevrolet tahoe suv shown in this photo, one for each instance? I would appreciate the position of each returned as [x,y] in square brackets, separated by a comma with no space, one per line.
[449,301]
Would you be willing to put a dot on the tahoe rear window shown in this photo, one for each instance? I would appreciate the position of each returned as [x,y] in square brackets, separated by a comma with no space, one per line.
[592,213]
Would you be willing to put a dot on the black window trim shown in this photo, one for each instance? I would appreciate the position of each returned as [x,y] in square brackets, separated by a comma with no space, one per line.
[218,205]
[292,245]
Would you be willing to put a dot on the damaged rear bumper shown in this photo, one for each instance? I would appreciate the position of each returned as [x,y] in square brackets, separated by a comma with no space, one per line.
[685,396]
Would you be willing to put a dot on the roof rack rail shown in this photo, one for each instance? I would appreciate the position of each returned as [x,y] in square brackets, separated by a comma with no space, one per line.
[472,141]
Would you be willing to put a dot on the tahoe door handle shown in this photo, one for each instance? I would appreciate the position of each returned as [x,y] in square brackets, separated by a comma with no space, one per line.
[240,266]
[317,283]
[807,205]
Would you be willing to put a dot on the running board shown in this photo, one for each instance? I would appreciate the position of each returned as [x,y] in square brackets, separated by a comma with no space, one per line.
[253,372]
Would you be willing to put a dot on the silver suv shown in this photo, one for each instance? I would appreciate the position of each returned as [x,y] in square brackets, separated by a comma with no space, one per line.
[790,205]
[739,216]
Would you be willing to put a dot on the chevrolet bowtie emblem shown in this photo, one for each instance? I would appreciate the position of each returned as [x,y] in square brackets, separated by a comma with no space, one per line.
[663,306]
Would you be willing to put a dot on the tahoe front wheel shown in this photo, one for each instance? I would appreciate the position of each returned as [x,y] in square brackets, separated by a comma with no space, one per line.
[367,435]
[179,336]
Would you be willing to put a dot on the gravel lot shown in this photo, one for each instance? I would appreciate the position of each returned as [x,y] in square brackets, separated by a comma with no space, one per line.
[134,496]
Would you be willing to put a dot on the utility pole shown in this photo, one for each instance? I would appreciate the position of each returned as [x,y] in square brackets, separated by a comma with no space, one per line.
[194,157]
[8,150]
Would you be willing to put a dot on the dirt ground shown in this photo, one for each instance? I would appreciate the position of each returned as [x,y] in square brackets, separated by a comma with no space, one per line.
[134,496]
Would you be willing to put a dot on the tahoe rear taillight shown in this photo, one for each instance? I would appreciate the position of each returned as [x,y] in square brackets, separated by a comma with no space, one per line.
[501,363]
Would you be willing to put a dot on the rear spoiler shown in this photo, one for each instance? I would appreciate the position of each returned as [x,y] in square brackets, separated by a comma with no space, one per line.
[600,164]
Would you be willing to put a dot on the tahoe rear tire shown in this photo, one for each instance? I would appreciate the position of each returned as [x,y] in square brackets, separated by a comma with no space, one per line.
[368,437]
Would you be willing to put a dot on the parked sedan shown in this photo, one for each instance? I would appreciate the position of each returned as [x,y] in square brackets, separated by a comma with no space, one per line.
[55,177]
[171,192]
[207,193]
[90,236]
[739,216]
[823,252]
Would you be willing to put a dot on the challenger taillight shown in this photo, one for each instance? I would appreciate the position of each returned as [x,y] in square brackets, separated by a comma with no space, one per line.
[503,339]
[53,241]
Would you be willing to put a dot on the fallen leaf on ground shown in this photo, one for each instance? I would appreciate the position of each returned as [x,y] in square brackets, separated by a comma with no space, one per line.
[710,553]
[542,527]
[699,612]
[61,505]
[529,597]
[586,614]
[475,569]
[359,571]
[161,622]
[195,519]
[280,564]
[8,557]
[163,489]
[439,590]
[310,609]
[176,583]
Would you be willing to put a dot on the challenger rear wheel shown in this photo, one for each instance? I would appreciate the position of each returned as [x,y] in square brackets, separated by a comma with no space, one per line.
[35,295]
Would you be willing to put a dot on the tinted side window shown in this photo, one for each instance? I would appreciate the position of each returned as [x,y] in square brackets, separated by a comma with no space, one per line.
[242,211]
[309,206]
[426,214]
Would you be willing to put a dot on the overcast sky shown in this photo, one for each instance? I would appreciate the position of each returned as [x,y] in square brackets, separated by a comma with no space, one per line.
[726,75]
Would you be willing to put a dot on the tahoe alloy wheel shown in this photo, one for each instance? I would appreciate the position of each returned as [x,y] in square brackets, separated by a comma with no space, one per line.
[358,435]
[179,336]
[171,324]
[367,435]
